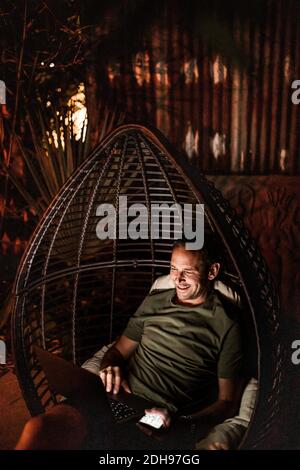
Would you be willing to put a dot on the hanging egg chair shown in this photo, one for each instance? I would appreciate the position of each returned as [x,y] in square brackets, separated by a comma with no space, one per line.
[75,293]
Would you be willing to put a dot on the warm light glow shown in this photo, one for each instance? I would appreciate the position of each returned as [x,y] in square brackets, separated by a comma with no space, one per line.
[76,119]
[141,68]
[218,70]
[113,71]
[190,70]
[161,73]
[191,141]
[283,159]
[78,113]
[288,68]
[218,145]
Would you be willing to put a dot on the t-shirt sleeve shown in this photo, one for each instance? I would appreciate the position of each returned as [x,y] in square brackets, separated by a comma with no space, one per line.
[231,356]
[135,326]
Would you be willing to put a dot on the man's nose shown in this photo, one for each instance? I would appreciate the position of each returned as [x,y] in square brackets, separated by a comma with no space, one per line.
[181,276]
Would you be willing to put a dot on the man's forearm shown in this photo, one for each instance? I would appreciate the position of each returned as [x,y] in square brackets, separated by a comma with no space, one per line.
[113,357]
[216,412]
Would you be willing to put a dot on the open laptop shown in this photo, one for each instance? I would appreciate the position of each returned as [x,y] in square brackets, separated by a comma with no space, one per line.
[86,388]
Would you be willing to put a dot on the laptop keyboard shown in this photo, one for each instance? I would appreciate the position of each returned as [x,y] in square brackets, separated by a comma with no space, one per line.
[120,410]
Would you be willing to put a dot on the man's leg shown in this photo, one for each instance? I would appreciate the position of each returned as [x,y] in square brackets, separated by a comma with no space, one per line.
[65,427]
[62,427]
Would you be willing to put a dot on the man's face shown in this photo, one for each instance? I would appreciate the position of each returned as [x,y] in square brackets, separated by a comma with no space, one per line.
[190,275]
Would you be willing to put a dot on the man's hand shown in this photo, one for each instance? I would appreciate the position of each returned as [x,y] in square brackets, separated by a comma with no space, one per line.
[114,362]
[155,433]
[163,413]
[218,446]
[113,380]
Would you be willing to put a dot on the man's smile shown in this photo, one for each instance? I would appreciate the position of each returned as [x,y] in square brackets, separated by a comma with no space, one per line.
[182,288]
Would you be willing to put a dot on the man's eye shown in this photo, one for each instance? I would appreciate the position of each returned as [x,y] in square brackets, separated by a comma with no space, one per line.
[189,272]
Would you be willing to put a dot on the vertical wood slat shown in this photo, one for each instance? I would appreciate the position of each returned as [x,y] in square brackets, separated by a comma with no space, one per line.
[180,102]
[215,100]
[274,27]
[200,87]
[284,89]
[266,74]
[195,99]
[275,111]
[250,96]
[243,111]
[235,111]
[171,52]
[152,82]
[294,134]
[257,94]
[185,89]
[175,58]
[207,111]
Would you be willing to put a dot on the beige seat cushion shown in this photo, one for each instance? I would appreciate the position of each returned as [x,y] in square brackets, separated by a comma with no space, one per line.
[231,431]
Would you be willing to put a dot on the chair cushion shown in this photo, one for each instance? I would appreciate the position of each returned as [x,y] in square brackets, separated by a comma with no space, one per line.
[231,431]
[93,363]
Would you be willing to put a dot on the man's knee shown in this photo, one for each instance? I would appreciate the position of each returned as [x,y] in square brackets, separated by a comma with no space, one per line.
[35,425]
[32,434]
[62,427]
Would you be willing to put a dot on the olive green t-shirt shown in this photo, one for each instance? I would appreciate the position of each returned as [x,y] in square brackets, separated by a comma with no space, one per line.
[182,350]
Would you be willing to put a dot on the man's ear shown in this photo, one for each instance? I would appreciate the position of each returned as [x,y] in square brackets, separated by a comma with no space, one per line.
[213,271]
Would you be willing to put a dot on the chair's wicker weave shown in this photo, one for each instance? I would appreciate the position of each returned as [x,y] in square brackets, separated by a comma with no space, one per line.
[74,293]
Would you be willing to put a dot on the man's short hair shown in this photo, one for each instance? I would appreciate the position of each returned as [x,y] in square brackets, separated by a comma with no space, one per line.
[212,249]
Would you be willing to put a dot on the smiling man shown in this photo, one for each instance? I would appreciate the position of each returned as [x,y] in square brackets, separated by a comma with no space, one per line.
[181,350]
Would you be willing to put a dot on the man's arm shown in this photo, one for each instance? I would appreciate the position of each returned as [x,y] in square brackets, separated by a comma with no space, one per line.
[230,389]
[119,353]
[226,406]
[229,434]
[114,362]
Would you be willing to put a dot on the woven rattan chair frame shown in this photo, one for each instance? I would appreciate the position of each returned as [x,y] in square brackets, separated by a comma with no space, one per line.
[74,292]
